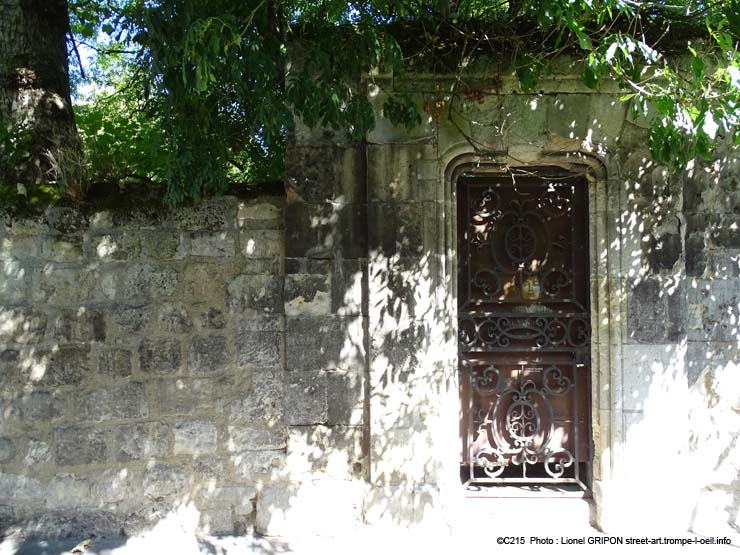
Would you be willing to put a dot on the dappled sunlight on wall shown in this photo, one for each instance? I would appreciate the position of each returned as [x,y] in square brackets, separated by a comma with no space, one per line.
[290,366]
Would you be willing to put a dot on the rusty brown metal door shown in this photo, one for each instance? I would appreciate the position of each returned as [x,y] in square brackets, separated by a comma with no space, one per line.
[523,322]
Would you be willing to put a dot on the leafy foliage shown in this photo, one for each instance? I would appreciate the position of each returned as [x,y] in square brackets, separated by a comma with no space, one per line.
[14,141]
[212,87]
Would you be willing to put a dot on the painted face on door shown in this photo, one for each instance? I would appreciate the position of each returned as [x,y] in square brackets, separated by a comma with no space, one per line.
[531,289]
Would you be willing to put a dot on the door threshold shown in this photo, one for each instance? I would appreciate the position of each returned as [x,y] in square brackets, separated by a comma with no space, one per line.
[526,491]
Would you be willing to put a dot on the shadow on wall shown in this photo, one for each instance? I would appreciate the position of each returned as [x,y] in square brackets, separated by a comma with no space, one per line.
[190,375]
[679,259]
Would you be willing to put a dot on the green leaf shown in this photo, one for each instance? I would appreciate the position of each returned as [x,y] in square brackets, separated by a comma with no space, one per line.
[584,41]
[590,77]
[527,71]
[697,68]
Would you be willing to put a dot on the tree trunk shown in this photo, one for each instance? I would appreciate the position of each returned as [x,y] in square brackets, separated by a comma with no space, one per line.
[34,84]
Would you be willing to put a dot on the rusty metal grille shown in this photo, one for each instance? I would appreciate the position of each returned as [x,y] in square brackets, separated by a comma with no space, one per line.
[523,323]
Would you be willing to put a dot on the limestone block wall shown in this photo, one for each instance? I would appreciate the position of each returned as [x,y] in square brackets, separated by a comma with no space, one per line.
[290,362]
[664,300]
[711,193]
[142,366]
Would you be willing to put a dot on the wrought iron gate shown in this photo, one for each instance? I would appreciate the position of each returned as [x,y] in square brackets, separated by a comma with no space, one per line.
[523,322]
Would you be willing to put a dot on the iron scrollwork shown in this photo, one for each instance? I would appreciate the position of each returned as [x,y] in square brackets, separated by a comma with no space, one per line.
[519,427]
[523,295]
[513,331]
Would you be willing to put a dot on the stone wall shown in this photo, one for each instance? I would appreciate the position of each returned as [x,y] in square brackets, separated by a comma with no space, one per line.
[711,192]
[142,366]
[254,359]
[664,299]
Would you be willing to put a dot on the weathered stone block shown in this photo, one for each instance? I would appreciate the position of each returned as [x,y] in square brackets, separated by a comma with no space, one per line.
[568,115]
[21,489]
[37,453]
[656,311]
[101,219]
[256,439]
[727,233]
[308,266]
[9,365]
[67,491]
[700,222]
[261,213]
[725,264]
[261,243]
[264,401]
[324,343]
[66,366]
[199,279]
[114,363]
[391,172]
[210,470]
[217,214]
[78,445]
[159,356]
[256,294]
[219,244]
[344,398]
[216,521]
[164,480]
[208,353]
[321,230]
[147,216]
[403,289]
[720,302]
[21,325]
[262,266]
[664,251]
[197,437]
[174,318]
[349,286]
[212,319]
[124,402]
[249,323]
[83,522]
[251,464]
[259,348]
[14,282]
[142,441]
[607,117]
[240,498]
[116,485]
[305,399]
[145,280]
[19,246]
[132,318]
[398,353]
[194,395]
[120,246]
[307,295]
[696,255]
[82,324]
[7,450]
[327,172]
[68,249]
[335,451]
[66,220]
[65,286]
[162,245]
[38,406]
[395,228]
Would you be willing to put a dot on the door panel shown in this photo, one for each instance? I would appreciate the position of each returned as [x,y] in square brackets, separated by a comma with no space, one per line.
[523,323]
